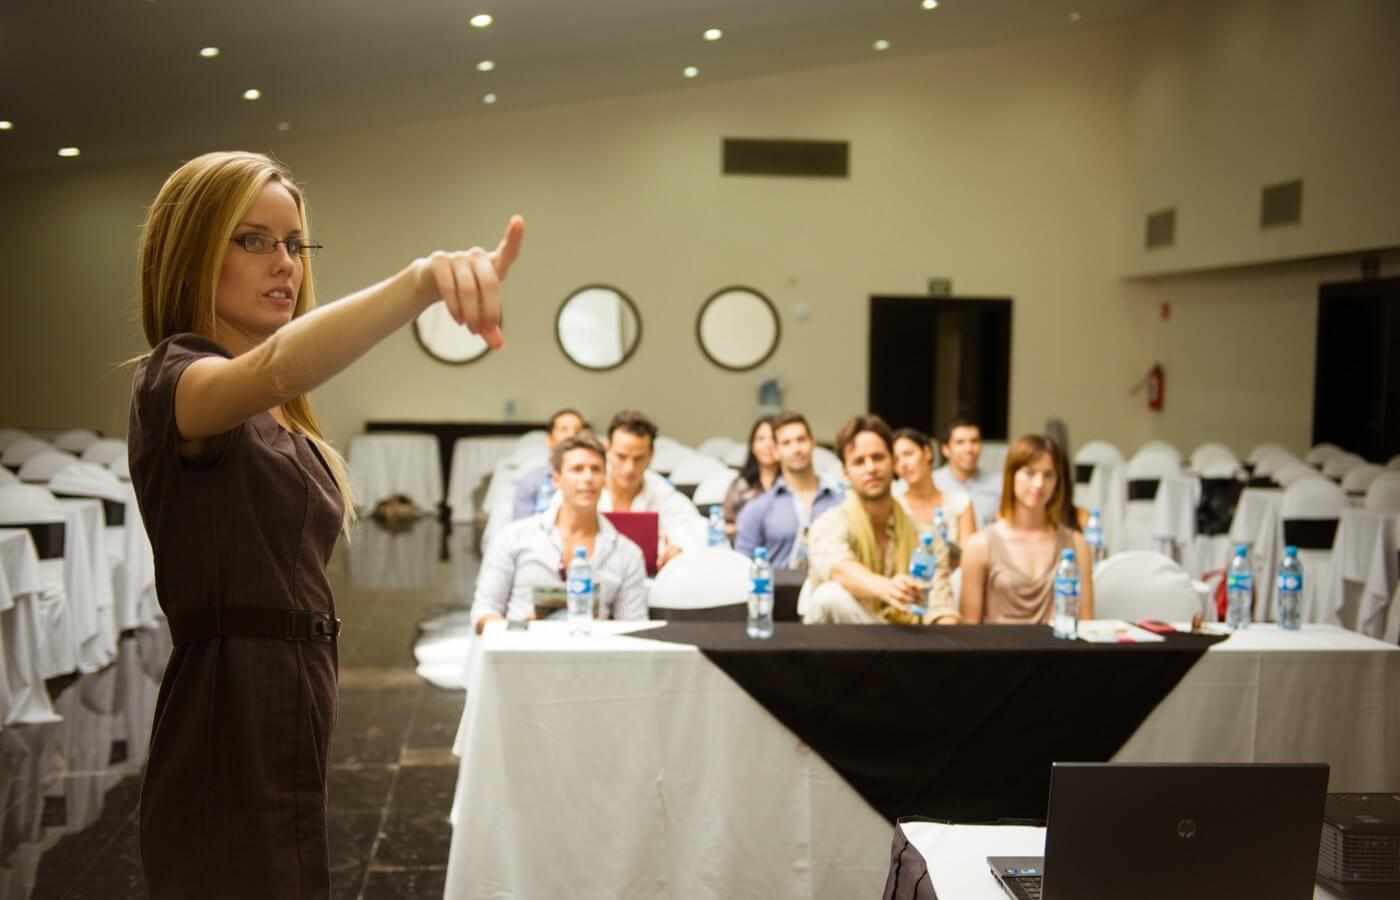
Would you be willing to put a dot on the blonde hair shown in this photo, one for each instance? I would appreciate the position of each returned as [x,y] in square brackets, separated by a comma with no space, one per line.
[187,233]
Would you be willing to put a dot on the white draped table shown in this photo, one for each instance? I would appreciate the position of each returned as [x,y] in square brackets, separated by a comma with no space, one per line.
[1365,554]
[23,699]
[616,767]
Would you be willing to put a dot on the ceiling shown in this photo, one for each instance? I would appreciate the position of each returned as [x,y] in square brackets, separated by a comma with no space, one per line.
[123,79]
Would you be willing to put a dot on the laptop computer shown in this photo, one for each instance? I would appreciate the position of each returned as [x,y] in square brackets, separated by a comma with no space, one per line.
[1153,832]
[643,528]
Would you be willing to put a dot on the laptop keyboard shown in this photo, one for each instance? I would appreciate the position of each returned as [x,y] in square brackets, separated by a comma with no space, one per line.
[1027,888]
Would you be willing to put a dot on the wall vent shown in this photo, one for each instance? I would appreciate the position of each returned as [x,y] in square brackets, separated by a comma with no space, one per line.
[802,159]
[1161,228]
[1281,204]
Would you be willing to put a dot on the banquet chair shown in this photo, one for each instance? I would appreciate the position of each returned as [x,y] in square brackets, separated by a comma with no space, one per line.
[7,477]
[10,436]
[120,467]
[993,458]
[1159,448]
[1359,480]
[1212,455]
[827,464]
[1270,462]
[1094,463]
[717,447]
[1309,513]
[104,451]
[668,453]
[128,548]
[1336,467]
[1294,472]
[736,456]
[1320,454]
[1142,478]
[35,509]
[711,491]
[1144,585]
[1383,496]
[710,584]
[1264,450]
[1394,463]
[695,468]
[18,453]
[76,441]
[43,466]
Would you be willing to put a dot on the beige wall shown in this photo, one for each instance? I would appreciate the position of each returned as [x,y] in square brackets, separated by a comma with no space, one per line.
[1009,169]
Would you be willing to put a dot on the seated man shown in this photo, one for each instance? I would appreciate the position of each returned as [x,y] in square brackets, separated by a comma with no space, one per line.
[780,517]
[534,553]
[861,548]
[962,474]
[535,488]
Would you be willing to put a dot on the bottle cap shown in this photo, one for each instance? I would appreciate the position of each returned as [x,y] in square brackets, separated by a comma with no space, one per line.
[1290,550]
[1241,549]
[1094,511]
[1067,554]
[926,538]
[760,553]
[580,553]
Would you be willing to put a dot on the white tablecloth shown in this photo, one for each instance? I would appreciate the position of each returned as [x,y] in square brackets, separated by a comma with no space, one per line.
[23,698]
[1364,554]
[380,559]
[957,856]
[1257,523]
[383,464]
[619,767]
[472,460]
[88,576]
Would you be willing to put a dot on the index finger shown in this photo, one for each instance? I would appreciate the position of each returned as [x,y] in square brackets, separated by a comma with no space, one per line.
[503,257]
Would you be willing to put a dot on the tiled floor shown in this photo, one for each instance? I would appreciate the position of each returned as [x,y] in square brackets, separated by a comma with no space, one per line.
[69,791]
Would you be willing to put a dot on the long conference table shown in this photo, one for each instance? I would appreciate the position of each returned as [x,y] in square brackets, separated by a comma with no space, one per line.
[664,760]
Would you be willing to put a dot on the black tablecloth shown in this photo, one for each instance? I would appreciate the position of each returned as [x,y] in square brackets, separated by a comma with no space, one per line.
[959,722]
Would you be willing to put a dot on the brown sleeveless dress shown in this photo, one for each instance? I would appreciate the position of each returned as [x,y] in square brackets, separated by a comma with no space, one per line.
[234,799]
[1015,597]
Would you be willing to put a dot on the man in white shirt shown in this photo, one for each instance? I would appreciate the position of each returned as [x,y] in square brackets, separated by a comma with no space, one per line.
[962,475]
[630,486]
[532,554]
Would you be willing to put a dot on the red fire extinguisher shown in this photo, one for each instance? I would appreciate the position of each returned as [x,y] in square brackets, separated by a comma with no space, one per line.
[1156,387]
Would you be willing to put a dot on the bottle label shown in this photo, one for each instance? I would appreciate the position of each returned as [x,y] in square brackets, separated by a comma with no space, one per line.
[1093,536]
[1067,587]
[579,586]
[1240,581]
[1290,583]
[762,586]
[920,570]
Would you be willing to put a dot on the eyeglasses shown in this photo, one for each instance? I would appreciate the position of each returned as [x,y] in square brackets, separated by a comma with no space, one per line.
[254,242]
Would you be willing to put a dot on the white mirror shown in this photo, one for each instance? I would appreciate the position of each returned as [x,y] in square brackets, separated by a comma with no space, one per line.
[444,339]
[738,329]
[598,327]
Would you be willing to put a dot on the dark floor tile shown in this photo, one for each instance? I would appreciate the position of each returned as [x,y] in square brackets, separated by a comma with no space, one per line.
[116,874]
[69,861]
[402,884]
[350,837]
[359,788]
[424,789]
[415,838]
[439,714]
[371,725]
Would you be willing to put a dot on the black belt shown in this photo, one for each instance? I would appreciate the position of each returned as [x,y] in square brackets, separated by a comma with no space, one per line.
[253,622]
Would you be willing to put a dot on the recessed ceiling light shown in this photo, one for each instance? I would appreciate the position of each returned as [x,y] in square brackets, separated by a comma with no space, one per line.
[209,52]
[690,71]
[486,65]
[930,4]
[713,34]
[6,125]
[68,152]
[284,126]
[489,99]
[252,94]
[882,44]
[482,20]
[1075,17]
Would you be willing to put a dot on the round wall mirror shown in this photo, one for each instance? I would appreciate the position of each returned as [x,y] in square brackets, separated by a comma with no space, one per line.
[598,327]
[445,340]
[738,329]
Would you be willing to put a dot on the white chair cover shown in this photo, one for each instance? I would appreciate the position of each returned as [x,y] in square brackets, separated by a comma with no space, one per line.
[104,451]
[1134,527]
[383,464]
[57,640]
[18,453]
[7,477]
[1383,496]
[827,464]
[712,489]
[702,579]
[473,459]
[696,467]
[1260,452]
[1144,585]
[1212,454]
[75,441]
[128,547]
[1159,448]
[86,479]
[1337,466]
[1313,498]
[1105,458]
[1294,472]
[1218,468]
[1271,463]
[668,454]
[23,699]
[534,440]
[1359,480]
[120,467]
[1394,463]
[1320,454]
[42,467]
[10,436]
[736,456]
[993,458]
[718,447]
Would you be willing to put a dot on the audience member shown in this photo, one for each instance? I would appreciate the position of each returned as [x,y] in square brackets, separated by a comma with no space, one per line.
[1009,566]
[532,555]
[861,549]
[913,462]
[779,519]
[758,474]
[962,449]
[534,490]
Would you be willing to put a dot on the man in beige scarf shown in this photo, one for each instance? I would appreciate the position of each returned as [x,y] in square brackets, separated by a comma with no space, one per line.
[860,550]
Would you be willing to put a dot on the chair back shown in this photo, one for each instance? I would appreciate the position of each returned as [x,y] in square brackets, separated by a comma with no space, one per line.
[1383,496]
[827,464]
[1337,466]
[713,488]
[104,451]
[18,453]
[695,468]
[718,447]
[10,436]
[1358,480]
[76,440]
[1140,584]
[702,579]
[1320,454]
[1272,463]
[1158,448]
[1394,464]
[7,477]
[1152,465]
[1212,455]
[1313,498]
[1295,472]
[43,466]
[1259,453]
[1096,452]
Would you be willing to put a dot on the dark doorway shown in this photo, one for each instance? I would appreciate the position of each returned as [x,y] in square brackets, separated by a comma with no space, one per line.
[1356,393]
[935,357]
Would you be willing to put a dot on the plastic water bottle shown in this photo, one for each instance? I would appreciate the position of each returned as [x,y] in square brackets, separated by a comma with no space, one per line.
[921,565]
[1066,620]
[760,623]
[1093,534]
[716,536]
[580,591]
[544,496]
[1239,585]
[940,525]
[1290,590]
[800,554]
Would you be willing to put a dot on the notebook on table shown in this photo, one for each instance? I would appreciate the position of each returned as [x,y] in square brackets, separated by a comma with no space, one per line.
[1161,832]
[644,530]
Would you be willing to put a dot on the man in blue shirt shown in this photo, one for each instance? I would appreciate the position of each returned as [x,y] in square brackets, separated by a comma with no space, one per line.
[779,518]
[963,475]
[562,425]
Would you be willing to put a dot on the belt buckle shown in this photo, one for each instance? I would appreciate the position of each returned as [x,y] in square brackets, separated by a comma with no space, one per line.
[324,627]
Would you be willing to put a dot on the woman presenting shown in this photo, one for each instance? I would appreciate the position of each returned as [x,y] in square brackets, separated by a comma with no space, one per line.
[243,499]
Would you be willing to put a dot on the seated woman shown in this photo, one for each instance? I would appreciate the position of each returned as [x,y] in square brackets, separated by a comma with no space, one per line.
[913,462]
[1075,517]
[758,474]
[1009,566]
